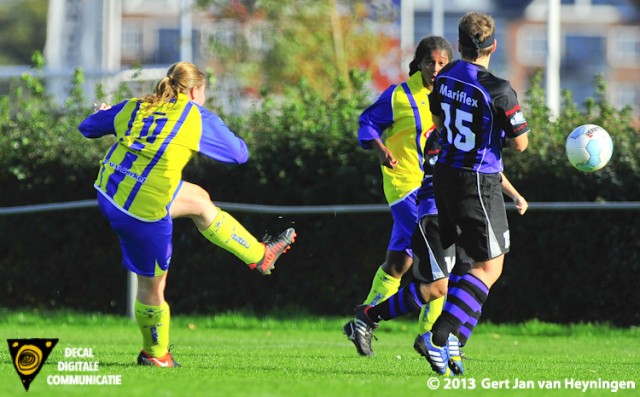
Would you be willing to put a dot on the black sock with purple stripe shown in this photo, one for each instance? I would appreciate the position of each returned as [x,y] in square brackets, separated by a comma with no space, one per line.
[465,330]
[463,302]
[407,300]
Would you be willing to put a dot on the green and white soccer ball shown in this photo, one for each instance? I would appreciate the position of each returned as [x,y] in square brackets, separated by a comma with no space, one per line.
[589,147]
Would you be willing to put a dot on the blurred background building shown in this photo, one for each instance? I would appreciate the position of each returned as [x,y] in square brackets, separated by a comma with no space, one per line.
[109,37]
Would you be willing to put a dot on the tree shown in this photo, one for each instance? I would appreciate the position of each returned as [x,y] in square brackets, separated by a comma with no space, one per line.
[23,28]
[320,40]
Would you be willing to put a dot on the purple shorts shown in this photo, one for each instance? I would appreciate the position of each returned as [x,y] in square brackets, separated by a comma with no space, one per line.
[146,246]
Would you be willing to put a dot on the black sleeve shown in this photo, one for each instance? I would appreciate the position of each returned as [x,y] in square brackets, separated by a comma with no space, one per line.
[508,112]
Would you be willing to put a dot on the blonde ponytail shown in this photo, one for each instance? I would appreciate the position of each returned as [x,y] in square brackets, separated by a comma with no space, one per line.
[181,77]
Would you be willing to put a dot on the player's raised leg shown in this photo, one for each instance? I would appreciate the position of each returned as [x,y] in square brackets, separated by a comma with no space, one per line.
[223,230]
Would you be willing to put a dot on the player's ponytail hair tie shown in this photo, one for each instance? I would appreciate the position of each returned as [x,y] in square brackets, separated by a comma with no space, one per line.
[173,85]
[473,41]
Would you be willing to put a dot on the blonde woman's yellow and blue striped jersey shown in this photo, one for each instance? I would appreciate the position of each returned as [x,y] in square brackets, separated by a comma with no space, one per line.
[402,114]
[142,171]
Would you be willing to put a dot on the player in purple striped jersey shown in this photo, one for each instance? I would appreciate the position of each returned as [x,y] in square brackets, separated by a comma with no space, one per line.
[477,114]
[140,191]
[435,268]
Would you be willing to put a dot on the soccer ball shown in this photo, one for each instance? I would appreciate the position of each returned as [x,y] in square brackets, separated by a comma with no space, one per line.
[589,147]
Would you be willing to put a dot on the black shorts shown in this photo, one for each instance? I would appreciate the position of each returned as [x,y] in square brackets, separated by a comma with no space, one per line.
[471,211]
[431,261]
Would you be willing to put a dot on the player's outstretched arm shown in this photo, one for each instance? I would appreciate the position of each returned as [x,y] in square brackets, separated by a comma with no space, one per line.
[100,123]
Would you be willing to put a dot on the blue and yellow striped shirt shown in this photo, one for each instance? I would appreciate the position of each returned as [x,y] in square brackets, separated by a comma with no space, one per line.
[142,171]
[402,113]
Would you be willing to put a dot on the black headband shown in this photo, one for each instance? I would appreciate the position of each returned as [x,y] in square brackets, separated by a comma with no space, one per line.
[474,41]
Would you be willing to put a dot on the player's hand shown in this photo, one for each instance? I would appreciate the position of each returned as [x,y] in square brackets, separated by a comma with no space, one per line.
[386,158]
[102,106]
[521,204]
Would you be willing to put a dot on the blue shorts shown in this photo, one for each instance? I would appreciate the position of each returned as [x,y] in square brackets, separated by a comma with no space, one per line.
[146,246]
[405,220]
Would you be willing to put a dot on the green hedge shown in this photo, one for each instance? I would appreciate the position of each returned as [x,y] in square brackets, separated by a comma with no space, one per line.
[564,266]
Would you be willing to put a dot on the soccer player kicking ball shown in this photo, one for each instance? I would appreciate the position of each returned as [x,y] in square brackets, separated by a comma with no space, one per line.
[140,192]
[473,109]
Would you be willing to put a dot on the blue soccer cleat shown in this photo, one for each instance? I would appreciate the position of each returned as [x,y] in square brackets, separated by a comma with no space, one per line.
[437,356]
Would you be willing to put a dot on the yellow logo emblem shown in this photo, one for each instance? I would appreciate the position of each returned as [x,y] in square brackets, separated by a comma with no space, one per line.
[28,357]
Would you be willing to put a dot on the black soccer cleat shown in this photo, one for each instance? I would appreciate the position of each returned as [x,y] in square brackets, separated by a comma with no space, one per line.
[360,330]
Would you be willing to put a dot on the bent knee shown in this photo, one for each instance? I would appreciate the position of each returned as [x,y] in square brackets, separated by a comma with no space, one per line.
[434,290]
[194,191]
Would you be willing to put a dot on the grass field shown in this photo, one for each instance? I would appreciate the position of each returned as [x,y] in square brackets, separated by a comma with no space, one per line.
[243,355]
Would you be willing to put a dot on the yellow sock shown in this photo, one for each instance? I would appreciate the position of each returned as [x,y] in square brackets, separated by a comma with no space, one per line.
[226,232]
[429,314]
[382,287]
[154,326]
